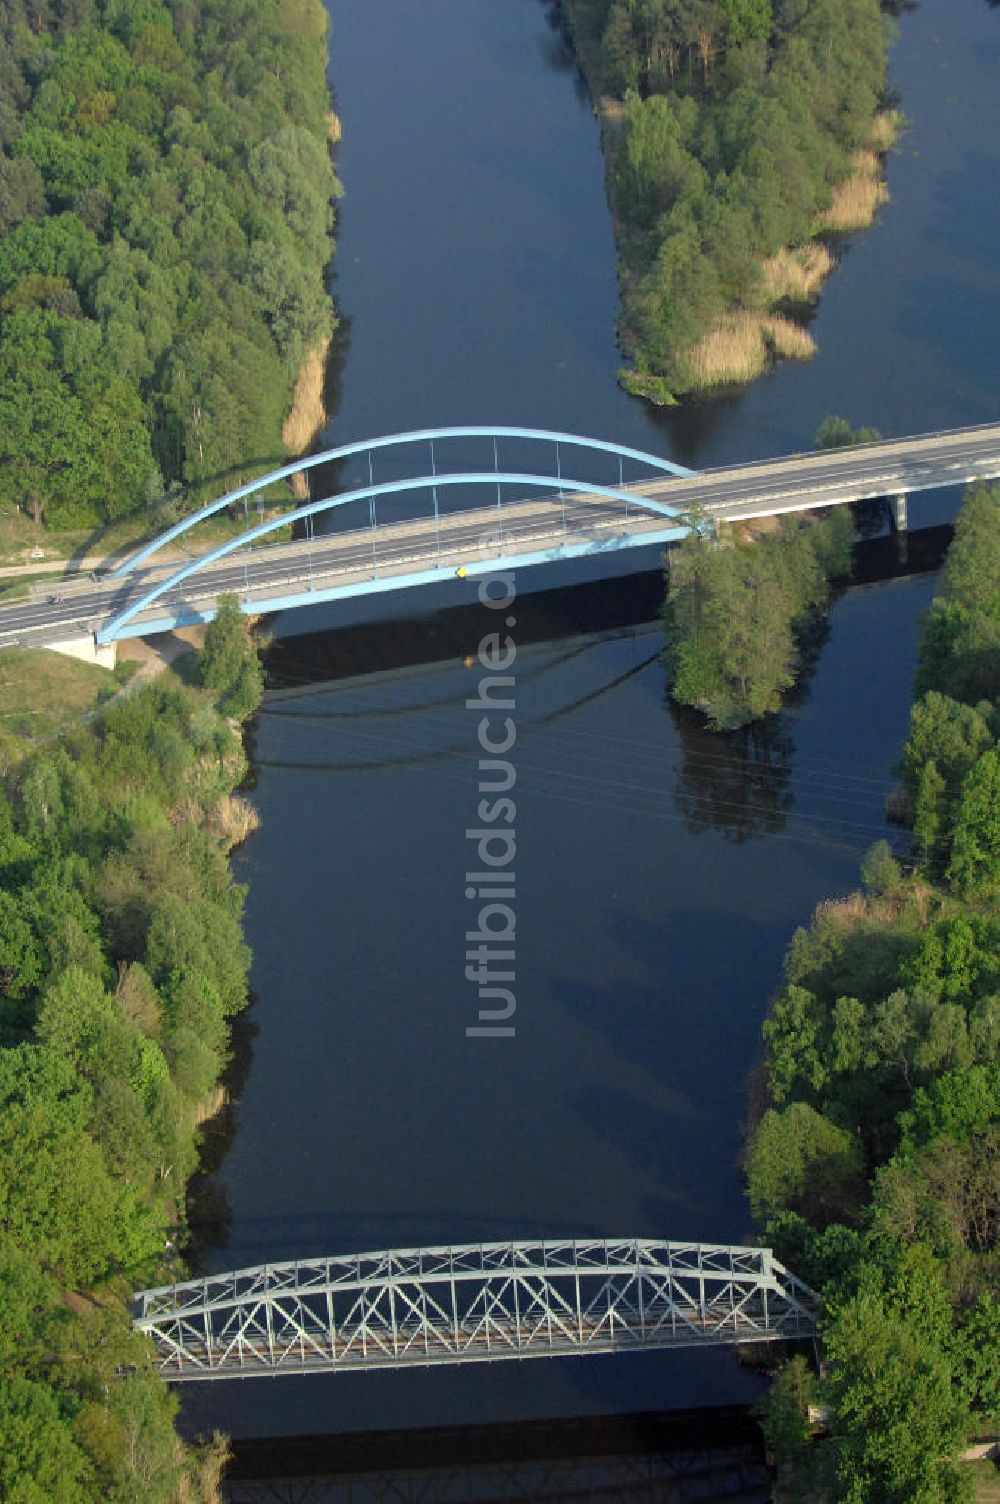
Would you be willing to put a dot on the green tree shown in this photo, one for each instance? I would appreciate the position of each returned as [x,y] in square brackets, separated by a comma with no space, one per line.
[800,1161]
[975,851]
[747,21]
[837,433]
[29,1311]
[899,1421]
[56,1196]
[40,1462]
[880,872]
[977,1355]
[734,614]
[784,1416]
[793,1032]
[971,574]
[228,663]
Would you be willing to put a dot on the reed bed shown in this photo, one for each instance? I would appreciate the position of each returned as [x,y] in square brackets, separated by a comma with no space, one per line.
[743,346]
[859,197]
[885,128]
[797,275]
[307,415]
[233,818]
[207,1108]
[788,339]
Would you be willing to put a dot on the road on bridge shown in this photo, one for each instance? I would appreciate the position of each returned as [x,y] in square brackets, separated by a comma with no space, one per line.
[528,530]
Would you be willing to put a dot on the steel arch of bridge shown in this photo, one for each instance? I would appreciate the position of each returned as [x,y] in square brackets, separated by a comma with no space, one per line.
[433,482]
[480,1302]
[391,441]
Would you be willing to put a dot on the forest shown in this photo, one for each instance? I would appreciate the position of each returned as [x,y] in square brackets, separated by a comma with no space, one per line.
[122,961]
[739,613]
[744,609]
[873,1165]
[741,135]
[166,197]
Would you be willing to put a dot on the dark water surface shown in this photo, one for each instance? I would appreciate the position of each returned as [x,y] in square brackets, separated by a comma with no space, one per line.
[660,870]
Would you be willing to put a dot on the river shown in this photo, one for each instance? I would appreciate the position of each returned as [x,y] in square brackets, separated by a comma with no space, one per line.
[661,871]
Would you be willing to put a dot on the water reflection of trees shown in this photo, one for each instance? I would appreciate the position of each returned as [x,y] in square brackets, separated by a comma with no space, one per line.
[872,517]
[735,782]
[210,1216]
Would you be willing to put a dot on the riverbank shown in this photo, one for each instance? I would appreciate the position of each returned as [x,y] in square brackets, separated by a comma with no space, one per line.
[121,962]
[307,415]
[872,1170]
[165,355]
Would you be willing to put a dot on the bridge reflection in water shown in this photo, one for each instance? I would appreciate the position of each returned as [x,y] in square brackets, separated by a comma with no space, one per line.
[678,1457]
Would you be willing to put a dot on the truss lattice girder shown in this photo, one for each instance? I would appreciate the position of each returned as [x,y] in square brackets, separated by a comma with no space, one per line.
[468,1303]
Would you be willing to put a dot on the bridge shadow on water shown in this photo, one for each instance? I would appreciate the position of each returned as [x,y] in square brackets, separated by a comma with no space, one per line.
[678,1456]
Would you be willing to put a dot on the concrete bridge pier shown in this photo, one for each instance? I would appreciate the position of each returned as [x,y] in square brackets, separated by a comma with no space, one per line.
[899,526]
[88,649]
[899,512]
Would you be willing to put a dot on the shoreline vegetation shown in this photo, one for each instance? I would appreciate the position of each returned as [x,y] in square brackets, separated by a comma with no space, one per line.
[742,139]
[744,605]
[740,613]
[122,962]
[166,217]
[307,415]
[873,1156]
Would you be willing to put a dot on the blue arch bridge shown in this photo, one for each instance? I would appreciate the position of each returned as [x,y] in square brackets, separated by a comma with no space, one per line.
[478,1302]
[526,497]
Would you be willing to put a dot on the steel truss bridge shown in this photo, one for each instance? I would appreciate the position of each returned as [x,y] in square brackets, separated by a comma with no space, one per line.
[480,1302]
[529,497]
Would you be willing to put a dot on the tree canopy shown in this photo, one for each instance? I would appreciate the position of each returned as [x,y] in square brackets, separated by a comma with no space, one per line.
[121,960]
[876,1171]
[729,123]
[165,223]
[737,614]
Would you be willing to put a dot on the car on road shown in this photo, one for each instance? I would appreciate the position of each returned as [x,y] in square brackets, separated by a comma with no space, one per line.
[55,600]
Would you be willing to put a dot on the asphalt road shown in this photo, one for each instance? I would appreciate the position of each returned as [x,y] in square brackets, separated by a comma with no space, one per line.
[791,483]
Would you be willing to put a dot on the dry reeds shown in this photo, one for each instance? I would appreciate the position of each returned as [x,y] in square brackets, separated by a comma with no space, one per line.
[308,412]
[787,339]
[847,913]
[209,1106]
[858,198]
[232,819]
[756,527]
[201,1468]
[885,129]
[742,347]
[796,275]
[856,909]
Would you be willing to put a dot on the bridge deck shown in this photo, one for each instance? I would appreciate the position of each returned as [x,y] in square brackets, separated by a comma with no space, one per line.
[472,1303]
[521,533]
